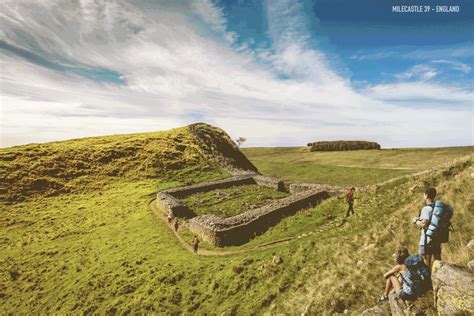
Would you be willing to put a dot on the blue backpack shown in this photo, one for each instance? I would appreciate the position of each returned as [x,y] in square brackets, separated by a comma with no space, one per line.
[417,280]
[439,223]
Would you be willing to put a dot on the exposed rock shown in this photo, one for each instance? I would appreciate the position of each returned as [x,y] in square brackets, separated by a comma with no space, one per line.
[338,306]
[360,263]
[470,246]
[397,306]
[277,259]
[376,311]
[453,289]
[470,265]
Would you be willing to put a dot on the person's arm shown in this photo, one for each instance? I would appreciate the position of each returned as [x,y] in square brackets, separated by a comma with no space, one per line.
[393,271]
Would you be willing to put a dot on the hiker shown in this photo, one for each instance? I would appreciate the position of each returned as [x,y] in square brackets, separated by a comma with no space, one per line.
[176,225]
[170,218]
[350,201]
[410,278]
[393,276]
[434,223]
[195,244]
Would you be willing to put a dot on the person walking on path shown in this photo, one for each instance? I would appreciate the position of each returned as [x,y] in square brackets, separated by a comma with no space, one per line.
[350,201]
[195,244]
[176,225]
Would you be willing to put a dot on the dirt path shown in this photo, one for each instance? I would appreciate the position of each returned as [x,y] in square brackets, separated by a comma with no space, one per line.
[206,252]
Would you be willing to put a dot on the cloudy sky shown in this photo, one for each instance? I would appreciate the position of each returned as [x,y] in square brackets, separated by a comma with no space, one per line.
[278,72]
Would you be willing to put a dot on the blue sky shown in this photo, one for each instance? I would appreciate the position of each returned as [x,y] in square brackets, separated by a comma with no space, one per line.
[277,72]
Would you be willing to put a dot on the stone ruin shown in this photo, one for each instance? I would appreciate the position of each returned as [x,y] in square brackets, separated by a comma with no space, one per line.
[239,229]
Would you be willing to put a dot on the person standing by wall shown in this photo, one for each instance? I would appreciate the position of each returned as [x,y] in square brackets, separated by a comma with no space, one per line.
[350,201]
[195,244]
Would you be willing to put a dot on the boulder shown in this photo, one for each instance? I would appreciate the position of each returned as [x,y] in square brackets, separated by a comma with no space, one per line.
[470,265]
[470,247]
[397,306]
[453,289]
[376,311]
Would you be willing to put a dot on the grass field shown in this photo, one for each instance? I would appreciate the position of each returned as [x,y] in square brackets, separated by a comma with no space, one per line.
[348,168]
[99,249]
[231,201]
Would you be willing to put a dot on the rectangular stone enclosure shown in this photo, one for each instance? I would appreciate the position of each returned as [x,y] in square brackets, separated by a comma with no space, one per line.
[239,229]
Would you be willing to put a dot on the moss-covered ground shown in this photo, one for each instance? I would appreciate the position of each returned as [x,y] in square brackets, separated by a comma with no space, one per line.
[232,201]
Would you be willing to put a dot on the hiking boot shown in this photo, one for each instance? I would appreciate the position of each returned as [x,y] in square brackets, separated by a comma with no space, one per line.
[384,298]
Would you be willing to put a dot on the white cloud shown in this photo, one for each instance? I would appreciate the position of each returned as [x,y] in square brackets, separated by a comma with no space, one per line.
[462,67]
[176,73]
[418,72]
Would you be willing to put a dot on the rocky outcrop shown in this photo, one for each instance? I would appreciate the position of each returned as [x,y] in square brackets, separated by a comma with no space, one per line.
[378,310]
[218,146]
[453,289]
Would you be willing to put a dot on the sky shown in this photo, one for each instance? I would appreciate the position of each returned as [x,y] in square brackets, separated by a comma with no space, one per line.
[277,72]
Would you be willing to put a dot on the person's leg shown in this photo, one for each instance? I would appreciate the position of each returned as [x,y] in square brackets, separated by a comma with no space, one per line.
[425,255]
[397,286]
[437,253]
[388,286]
[348,210]
[352,208]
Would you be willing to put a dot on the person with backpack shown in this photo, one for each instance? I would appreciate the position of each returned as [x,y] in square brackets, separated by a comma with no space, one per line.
[416,280]
[434,223]
[393,279]
[350,201]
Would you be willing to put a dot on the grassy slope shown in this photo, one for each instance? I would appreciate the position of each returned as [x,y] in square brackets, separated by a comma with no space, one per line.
[101,249]
[348,168]
[232,201]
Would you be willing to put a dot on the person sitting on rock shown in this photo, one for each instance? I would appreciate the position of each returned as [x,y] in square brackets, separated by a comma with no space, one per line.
[393,277]
[195,244]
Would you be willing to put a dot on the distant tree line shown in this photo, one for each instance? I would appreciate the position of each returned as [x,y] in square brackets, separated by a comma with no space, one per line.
[341,145]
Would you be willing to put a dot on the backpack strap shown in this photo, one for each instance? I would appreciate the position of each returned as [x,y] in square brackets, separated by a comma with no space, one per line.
[429,222]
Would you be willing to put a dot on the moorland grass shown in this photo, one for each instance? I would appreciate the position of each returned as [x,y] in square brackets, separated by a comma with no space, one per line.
[348,168]
[97,248]
[105,251]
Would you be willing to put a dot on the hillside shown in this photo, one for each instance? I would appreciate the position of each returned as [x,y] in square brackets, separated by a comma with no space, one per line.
[87,164]
[351,168]
[92,245]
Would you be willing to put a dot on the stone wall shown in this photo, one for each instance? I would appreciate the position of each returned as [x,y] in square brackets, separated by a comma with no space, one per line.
[210,186]
[275,184]
[301,187]
[172,205]
[241,228]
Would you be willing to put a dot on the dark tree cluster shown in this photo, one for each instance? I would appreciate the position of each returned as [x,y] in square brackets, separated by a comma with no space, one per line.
[342,145]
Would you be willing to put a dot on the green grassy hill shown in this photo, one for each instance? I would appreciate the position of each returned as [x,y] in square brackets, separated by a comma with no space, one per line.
[90,244]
